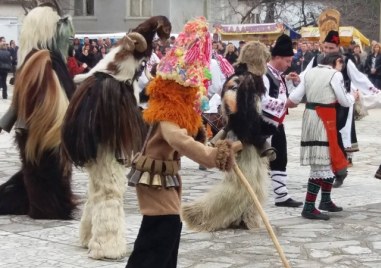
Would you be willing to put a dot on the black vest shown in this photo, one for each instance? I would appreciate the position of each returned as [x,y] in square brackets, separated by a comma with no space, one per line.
[274,84]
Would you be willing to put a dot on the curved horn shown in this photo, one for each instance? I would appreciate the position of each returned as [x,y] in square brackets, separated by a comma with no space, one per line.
[58,7]
[127,43]
[53,4]
[139,40]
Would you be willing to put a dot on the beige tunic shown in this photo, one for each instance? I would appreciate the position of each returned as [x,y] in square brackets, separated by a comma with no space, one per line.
[168,139]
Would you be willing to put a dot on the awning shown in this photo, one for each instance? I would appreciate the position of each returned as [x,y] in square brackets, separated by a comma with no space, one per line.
[346,33]
[265,32]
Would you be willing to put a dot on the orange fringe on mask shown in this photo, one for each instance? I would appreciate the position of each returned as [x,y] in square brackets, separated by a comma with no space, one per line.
[170,101]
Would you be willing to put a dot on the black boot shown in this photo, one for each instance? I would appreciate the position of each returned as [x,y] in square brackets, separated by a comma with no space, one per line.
[315,216]
[338,182]
[330,206]
[378,173]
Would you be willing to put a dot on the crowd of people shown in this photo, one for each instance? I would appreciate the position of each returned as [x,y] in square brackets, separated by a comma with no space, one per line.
[99,126]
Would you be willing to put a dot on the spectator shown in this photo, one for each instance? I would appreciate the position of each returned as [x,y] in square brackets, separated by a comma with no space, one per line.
[316,49]
[373,66]
[241,44]
[357,57]
[13,50]
[221,48]
[86,56]
[77,45]
[108,44]
[305,58]
[215,46]
[172,40]
[5,66]
[231,54]
[96,56]
[100,43]
[72,63]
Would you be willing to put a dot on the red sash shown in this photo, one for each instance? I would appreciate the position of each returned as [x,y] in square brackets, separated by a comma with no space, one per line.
[328,116]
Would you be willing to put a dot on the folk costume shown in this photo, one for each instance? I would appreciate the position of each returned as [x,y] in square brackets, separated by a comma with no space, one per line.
[42,188]
[173,113]
[228,205]
[274,110]
[323,87]
[103,127]
[353,80]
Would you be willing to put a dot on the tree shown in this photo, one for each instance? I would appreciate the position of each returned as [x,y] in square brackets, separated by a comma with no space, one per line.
[28,5]
[362,14]
[275,10]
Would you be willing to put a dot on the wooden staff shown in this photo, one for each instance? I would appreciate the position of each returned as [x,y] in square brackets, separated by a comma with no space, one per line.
[263,215]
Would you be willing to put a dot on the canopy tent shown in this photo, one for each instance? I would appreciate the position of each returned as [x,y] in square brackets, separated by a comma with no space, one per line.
[346,33]
[266,32]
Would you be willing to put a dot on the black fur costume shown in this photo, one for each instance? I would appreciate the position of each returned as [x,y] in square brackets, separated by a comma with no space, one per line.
[247,123]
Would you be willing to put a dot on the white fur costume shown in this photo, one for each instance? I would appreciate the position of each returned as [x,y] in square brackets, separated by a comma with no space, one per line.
[103,128]
[229,204]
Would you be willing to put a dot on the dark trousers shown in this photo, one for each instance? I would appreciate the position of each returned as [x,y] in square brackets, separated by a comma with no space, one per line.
[341,119]
[157,243]
[3,84]
[353,129]
[279,142]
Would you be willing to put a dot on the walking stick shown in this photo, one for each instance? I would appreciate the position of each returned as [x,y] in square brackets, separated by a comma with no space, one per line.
[263,215]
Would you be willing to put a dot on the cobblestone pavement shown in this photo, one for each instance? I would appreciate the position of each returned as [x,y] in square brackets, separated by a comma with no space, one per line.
[351,238]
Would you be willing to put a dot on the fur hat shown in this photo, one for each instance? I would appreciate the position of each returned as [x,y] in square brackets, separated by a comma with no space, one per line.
[333,37]
[283,47]
[255,55]
[188,59]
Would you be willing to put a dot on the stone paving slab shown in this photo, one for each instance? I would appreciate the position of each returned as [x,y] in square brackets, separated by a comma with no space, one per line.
[351,238]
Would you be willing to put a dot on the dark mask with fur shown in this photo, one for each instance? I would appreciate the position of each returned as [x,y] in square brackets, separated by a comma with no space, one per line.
[104,111]
[242,94]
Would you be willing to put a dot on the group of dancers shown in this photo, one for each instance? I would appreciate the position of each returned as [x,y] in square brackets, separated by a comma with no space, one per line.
[99,126]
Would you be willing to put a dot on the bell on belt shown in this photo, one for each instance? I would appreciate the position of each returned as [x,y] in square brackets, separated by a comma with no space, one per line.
[145,178]
[156,181]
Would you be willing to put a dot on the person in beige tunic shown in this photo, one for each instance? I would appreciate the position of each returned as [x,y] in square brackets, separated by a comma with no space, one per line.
[174,117]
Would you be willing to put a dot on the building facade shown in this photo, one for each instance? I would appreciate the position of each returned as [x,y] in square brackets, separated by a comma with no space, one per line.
[100,16]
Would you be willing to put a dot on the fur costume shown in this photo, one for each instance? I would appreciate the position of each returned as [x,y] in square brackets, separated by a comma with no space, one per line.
[229,204]
[174,116]
[42,188]
[103,127]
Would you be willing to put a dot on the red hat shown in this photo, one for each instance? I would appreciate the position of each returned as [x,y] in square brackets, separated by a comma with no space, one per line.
[333,37]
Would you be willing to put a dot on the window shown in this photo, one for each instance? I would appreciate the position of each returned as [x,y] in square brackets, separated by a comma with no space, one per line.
[84,8]
[140,8]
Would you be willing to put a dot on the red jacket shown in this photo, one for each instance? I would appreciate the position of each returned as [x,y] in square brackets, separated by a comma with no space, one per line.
[73,66]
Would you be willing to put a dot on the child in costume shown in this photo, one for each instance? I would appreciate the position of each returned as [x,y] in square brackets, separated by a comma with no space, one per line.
[229,204]
[174,116]
[42,188]
[103,127]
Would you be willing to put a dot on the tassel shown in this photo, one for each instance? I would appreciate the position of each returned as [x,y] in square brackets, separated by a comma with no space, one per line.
[207,50]
[193,53]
